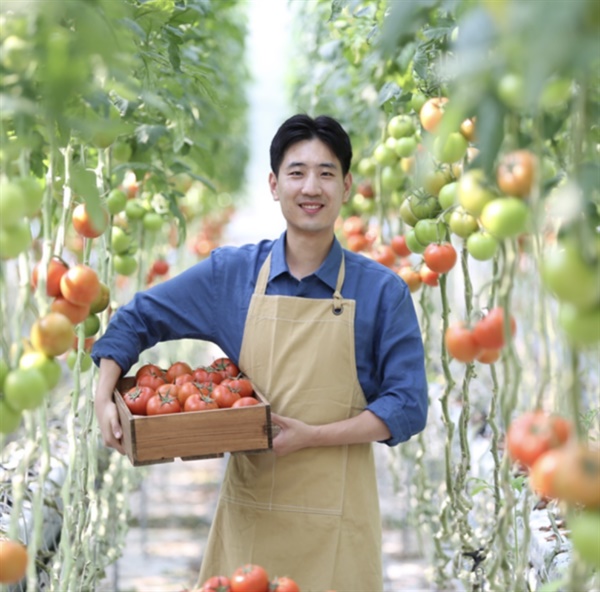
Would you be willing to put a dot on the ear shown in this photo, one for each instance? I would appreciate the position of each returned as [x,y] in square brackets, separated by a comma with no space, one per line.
[347,187]
[273,186]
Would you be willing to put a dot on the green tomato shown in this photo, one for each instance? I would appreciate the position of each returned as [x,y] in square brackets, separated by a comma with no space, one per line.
[15,240]
[406,212]
[482,246]
[85,362]
[49,367]
[569,277]
[473,192]
[10,419]
[581,327]
[426,206]
[366,167]
[362,204]
[585,529]
[12,203]
[91,325]
[451,149]
[25,388]
[429,231]
[405,147]
[120,241]
[448,195]
[33,194]
[401,126]
[121,152]
[152,221]
[15,53]
[511,90]
[505,217]
[462,223]
[391,177]
[116,201]
[3,372]
[135,209]
[385,155]
[125,264]
[412,242]
[417,101]
[555,94]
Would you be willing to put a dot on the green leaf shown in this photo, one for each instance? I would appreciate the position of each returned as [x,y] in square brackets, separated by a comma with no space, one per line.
[555,586]
[83,184]
[389,91]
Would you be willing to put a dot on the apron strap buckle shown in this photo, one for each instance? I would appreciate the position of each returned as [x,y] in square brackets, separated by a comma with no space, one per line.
[338,306]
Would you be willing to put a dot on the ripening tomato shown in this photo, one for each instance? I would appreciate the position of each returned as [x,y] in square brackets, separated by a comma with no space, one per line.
[384,255]
[431,113]
[198,402]
[52,334]
[411,278]
[224,396]
[398,244]
[250,578]
[284,584]
[353,225]
[177,369]
[245,402]
[489,331]
[162,404]
[136,398]
[76,313]
[473,191]
[102,301]
[460,343]
[13,561]
[488,356]
[80,284]
[216,584]
[87,225]
[577,478]
[516,173]
[56,269]
[428,276]
[441,257]
[535,432]
[542,473]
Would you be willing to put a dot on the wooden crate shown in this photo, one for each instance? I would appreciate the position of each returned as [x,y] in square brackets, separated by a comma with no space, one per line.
[193,435]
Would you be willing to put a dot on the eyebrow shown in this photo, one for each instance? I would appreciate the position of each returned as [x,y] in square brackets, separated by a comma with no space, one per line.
[327,165]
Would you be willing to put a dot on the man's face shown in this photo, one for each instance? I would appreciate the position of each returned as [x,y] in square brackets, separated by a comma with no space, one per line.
[310,187]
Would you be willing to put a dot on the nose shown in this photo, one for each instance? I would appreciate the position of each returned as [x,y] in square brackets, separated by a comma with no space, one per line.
[311,185]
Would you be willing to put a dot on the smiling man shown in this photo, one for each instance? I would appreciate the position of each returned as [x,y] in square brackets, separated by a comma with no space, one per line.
[330,337]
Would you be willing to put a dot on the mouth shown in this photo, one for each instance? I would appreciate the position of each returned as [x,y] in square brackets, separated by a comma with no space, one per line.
[311,208]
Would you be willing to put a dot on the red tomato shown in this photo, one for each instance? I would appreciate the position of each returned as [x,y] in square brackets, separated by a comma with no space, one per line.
[160,267]
[226,367]
[245,402]
[199,403]
[242,386]
[177,369]
[76,313]
[87,226]
[250,578]
[183,378]
[56,269]
[489,331]
[535,432]
[576,480]
[460,343]
[216,584]
[207,374]
[542,472]
[384,254]
[284,584]
[440,257]
[398,243]
[186,390]
[161,404]
[151,369]
[353,225]
[137,398]
[488,356]
[150,380]
[224,396]
[80,284]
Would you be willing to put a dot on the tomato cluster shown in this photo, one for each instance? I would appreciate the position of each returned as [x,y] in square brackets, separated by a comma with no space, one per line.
[180,388]
[249,578]
[483,341]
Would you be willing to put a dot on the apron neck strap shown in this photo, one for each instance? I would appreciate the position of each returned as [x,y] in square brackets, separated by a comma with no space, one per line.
[263,278]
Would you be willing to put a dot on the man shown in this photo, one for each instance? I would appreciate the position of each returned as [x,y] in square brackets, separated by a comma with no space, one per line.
[330,337]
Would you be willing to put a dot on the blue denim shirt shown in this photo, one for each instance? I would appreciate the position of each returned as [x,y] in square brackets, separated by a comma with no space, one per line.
[210,300]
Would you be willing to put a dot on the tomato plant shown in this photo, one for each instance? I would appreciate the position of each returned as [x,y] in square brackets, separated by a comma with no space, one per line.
[535,432]
[250,578]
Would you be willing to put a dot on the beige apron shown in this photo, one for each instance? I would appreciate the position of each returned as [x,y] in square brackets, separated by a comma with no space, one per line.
[312,515]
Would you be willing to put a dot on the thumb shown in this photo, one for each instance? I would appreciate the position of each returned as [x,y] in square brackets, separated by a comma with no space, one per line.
[116,429]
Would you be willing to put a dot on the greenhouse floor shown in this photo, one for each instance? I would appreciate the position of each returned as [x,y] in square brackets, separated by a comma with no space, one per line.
[171,514]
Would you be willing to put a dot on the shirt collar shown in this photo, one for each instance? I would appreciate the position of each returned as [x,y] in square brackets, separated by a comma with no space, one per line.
[327,272]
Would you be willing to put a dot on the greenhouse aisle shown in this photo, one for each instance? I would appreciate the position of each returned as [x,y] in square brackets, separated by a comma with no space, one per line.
[172,510]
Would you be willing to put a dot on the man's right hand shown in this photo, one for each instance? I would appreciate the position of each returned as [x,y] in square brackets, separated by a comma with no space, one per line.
[104,406]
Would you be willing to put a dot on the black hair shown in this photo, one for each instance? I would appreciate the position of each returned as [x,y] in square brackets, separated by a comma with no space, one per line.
[303,127]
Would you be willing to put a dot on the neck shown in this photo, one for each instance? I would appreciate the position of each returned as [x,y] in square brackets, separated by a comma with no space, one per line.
[305,254]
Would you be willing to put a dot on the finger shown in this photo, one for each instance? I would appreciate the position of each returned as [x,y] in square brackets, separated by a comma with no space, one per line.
[116,429]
